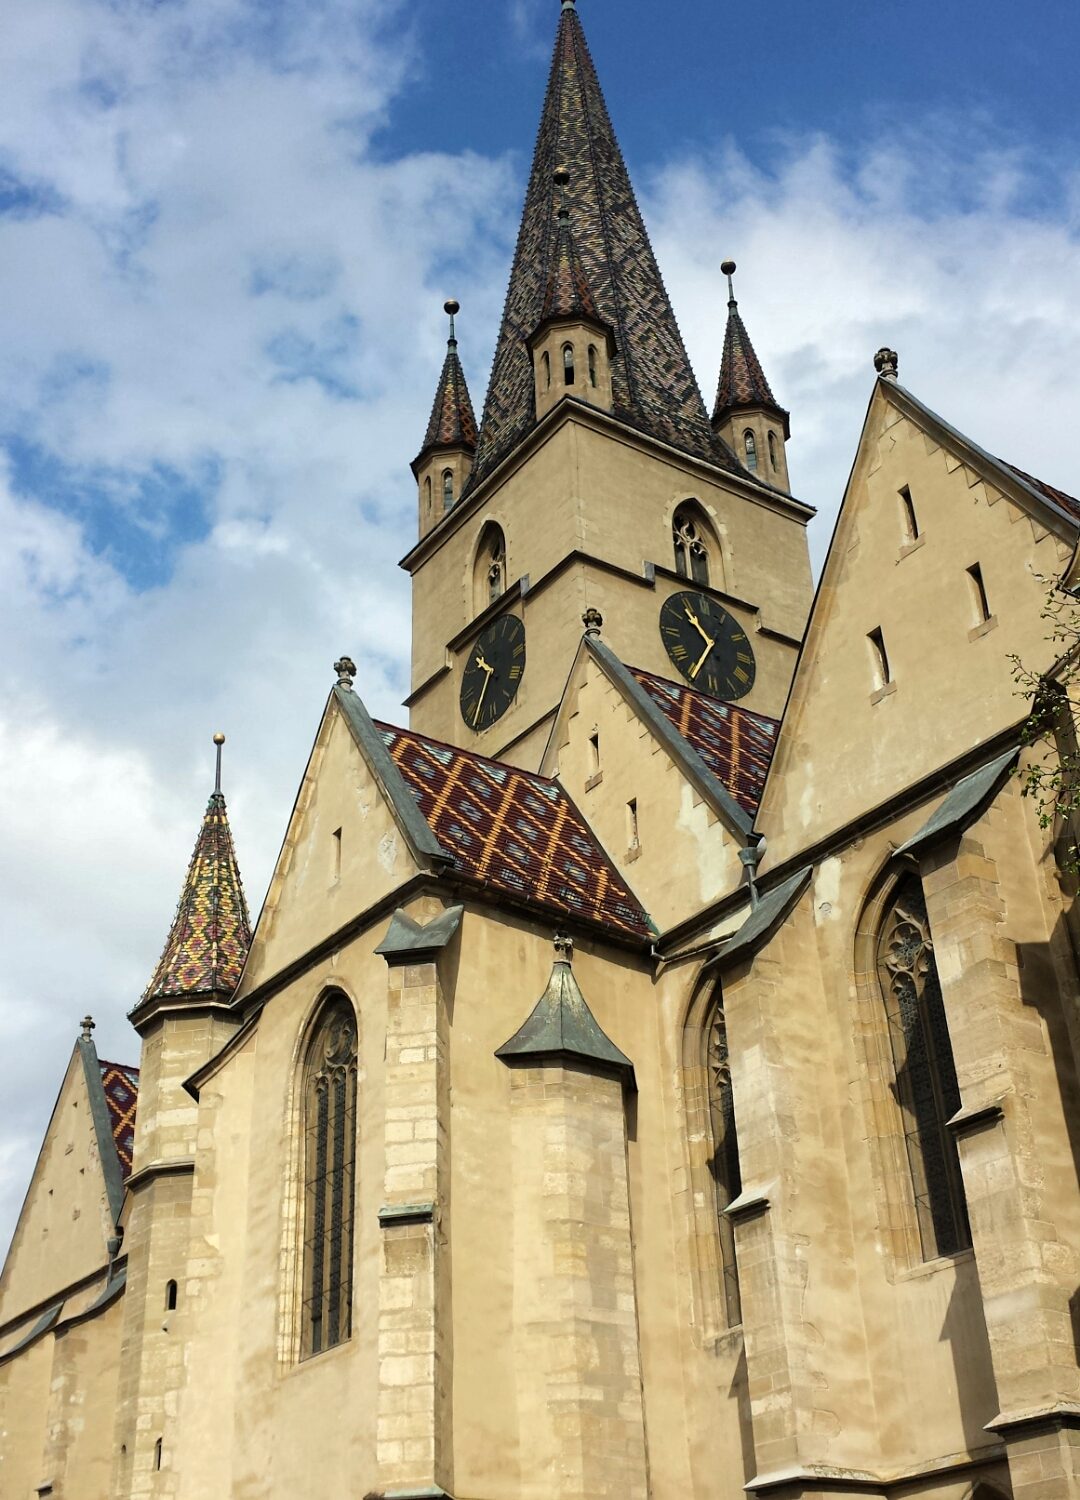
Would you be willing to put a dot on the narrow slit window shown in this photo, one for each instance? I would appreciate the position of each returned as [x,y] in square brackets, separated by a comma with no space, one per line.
[594,753]
[157,1454]
[910,520]
[447,488]
[633,838]
[170,1296]
[427,495]
[772,452]
[880,657]
[545,367]
[750,448]
[978,594]
[592,364]
[568,364]
[329,1085]
[336,854]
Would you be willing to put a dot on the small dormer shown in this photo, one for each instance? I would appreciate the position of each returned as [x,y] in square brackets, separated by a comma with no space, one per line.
[747,415]
[444,463]
[572,347]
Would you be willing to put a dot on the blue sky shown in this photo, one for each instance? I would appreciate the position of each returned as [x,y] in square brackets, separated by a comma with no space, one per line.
[227,228]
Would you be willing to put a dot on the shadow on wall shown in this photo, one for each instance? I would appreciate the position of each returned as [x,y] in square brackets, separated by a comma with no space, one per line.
[964,1330]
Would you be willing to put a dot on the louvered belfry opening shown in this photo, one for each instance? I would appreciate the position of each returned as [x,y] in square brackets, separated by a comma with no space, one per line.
[329,1106]
[926,1088]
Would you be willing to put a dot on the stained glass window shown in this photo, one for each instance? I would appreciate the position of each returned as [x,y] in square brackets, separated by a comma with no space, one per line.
[926,1087]
[329,1178]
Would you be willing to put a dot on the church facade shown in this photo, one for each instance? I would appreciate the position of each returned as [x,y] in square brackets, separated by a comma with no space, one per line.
[653,1071]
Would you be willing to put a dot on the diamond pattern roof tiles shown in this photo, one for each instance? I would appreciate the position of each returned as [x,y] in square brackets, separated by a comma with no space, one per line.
[452,422]
[742,380]
[735,743]
[514,831]
[121,1088]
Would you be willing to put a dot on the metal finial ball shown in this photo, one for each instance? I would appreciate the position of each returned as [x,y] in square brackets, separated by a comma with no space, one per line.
[451,306]
[728,267]
[561,177]
[219,738]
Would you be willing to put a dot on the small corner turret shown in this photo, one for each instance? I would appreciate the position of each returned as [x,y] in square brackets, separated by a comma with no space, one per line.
[444,463]
[747,415]
[572,347]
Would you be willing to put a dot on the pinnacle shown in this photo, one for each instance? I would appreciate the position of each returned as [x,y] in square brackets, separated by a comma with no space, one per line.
[211,932]
[742,382]
[452,422]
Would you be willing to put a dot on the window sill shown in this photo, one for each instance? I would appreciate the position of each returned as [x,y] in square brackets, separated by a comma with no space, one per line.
[983,629]
[308,1361]
[594,780]
[882,692]
[634,852]
[935,1266]
[909,547]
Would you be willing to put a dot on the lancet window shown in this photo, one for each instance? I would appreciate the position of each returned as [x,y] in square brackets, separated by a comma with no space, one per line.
[447,489]
[724,1163]
[592,364]
[489,573]
[772,452]
[750,449]
[691,553]
[925,1075]
[329,1112]
[568,364]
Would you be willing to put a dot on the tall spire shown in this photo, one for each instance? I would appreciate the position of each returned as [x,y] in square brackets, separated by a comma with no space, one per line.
[211,932]
[653,386]
[742,380]
[452,423]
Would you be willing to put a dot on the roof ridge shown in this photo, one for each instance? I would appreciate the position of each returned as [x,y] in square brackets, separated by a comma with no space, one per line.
[487,760]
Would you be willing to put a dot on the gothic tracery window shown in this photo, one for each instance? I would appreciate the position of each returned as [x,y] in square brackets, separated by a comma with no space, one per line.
[925,1075]
[724,1163]
[489,573]
[691,553]
[329,1112]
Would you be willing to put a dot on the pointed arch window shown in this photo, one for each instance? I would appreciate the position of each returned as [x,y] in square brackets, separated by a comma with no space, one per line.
[724,1162]
[447,488]
[773,464]
[925,1085]
[691,551]
[545,366]
[329,1114]
[568,364]
[427,495]
[592,364]
[750,449]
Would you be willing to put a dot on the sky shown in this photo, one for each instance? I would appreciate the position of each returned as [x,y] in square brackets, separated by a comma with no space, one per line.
[227,228]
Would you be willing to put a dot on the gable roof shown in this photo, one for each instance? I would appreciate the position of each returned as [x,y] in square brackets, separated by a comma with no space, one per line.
[734,742]
[120,1086]
[515,832]
[653,385]
[1048,491]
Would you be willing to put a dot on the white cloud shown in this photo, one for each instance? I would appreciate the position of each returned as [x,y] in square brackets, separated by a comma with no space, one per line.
[229,280]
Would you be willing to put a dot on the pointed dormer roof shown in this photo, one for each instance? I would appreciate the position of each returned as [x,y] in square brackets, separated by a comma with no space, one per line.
[452,423]
[211,932]
[653,385]
[568,293]
[742,384]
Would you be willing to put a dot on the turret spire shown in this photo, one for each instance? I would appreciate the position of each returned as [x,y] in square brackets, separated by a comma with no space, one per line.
[208,942]
[452,422]
[652,385]
[747,415]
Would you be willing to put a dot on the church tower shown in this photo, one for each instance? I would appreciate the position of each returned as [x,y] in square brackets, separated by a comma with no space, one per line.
[597,482]
[747,415]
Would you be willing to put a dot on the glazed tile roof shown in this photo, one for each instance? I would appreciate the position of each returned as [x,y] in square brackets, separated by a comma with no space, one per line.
[514,831]
[1058,497]
[452,421]
[121,1088]
[735,743]
[742,380]
[653,385]
[211,932]
[568,293]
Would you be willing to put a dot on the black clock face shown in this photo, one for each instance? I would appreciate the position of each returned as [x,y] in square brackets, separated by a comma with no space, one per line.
[494,667]
[709,648]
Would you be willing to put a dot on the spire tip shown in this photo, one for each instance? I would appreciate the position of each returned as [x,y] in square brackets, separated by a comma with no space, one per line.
[88,1025]
[727,268]
[219,740]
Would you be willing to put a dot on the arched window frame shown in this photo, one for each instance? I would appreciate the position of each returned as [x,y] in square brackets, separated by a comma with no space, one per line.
[724,1157]
[773,461]
[545,367]
[328,1108]
[489,567]
[592,365]
[568,364]
[750,450]
[448,489]
[691,537]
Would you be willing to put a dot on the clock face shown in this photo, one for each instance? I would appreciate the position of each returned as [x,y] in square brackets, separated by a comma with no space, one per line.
[709,648]
[494,666]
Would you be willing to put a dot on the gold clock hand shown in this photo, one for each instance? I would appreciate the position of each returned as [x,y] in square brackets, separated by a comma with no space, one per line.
[696,668]
[480,700]
[696,623]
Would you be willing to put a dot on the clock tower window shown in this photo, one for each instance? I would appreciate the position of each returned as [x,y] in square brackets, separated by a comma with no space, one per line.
[691,549]
[489,571]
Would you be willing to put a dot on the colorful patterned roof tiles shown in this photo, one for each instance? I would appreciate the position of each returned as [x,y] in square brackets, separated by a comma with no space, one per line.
[514,831]
[452,423]
[211,932]
[735,743]
[742,380]
[568,294]
[653,385]
[1058,497]
[121,1088]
